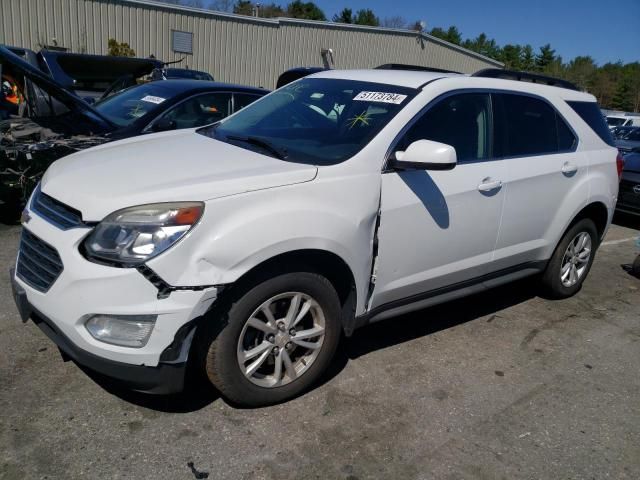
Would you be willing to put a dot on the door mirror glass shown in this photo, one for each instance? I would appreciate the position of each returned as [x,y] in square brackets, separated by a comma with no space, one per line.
[164,124]
[425,155]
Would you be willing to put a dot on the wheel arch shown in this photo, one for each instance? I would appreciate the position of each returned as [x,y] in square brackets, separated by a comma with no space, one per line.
[595,211]
[324,262]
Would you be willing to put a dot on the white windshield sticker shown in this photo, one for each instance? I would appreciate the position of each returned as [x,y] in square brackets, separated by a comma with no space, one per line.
[382,97]
[152,99]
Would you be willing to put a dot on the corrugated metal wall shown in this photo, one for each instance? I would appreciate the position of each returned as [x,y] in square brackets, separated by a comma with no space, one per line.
[232,48]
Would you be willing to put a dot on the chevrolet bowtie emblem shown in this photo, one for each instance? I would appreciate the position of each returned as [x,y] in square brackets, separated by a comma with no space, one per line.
[636,189]
[25,217]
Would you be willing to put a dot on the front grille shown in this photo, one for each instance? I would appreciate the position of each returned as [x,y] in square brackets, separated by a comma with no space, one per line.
[55,212]
[39,264]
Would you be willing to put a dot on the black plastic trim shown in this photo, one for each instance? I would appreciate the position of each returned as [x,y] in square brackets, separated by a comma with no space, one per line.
[526,77]
[164,288]
[365,318]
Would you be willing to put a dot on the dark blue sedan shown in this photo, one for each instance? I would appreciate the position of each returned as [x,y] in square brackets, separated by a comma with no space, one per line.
[172,104]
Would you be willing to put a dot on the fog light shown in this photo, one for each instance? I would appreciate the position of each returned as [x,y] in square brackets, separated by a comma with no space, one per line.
[125,330]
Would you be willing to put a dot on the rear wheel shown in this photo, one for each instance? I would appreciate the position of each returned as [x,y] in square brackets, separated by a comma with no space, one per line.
[572,260]
[279,338]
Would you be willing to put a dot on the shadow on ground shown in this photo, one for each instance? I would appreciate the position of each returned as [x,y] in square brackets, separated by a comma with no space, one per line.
[627,220]
[199,393]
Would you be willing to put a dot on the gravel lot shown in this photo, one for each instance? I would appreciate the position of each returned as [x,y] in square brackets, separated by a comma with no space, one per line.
[502,385]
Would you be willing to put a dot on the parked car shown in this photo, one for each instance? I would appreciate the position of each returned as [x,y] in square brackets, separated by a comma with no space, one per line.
[623,120]
[629,142]
[29,145]
[620,132]
[170,73]
[347,197]
[629,197]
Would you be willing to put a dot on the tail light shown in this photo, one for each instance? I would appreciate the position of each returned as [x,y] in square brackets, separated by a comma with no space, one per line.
[619,165]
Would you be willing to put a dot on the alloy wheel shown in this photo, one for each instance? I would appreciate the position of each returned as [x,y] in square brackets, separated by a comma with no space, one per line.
[281,339]
[576,259]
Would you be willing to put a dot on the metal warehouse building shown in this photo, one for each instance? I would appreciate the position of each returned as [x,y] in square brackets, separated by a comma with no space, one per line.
[233,48]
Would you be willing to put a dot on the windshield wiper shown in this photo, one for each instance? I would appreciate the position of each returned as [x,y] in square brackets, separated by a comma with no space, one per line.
[259,142]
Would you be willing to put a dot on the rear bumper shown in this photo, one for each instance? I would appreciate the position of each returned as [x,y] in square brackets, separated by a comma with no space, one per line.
[166,377]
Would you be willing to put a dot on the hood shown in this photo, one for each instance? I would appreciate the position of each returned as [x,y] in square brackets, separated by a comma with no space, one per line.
[70,68]
[94,121]
[180,165]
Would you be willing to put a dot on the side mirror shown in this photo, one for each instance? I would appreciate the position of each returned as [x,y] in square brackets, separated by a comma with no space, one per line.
[164,124]
[426,155]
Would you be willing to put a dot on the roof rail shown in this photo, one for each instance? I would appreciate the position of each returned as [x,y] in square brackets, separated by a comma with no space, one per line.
[417,68]
[525,77]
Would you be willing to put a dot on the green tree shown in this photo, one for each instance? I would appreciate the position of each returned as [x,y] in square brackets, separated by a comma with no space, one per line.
[243,7]
[345,16]
[451,35]
[622,97]
[511,57]
[306,10]
[118,49]
[527,59]
[394,22]
[271,10]
[483,45]
[580,71]
[545,58]
[366,17]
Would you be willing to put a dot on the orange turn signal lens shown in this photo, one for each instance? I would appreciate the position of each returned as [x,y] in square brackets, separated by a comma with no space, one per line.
[187,215]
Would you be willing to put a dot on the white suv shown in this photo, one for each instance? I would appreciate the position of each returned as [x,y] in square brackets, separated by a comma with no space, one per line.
[247,248]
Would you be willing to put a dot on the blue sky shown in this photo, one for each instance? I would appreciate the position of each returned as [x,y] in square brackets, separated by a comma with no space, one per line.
[606,30]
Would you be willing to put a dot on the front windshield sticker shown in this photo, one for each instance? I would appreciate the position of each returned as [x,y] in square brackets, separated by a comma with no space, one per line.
[381,97]
[152,99]
[137,111]
[362,120]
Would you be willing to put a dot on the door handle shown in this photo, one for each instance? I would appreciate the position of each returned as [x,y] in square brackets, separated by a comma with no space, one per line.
[569,168]
[488,185]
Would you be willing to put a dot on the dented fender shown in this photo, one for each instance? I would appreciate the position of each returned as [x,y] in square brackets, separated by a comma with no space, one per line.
[332,213]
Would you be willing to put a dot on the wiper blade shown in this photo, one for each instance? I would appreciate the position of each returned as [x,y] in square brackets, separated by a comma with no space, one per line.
[259,142]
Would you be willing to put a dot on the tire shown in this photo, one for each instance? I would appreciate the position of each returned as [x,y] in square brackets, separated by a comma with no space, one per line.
[635,267]
[559,283]
[229,336]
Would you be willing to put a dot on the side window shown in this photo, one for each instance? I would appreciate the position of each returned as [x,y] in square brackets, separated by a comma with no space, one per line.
[529,126]
[200,110]
[461,121]
[241,100]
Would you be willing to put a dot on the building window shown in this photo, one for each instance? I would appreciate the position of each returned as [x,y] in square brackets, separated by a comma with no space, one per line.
[182,42]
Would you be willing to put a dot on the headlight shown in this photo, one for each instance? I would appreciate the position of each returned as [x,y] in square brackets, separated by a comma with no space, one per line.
[132,236]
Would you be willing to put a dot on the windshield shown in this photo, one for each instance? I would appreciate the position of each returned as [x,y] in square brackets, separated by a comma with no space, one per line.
[184,73]
[314,120]
[615,122]
[129,105]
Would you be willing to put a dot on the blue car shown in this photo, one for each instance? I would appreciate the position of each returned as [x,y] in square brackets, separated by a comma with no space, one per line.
[629,194]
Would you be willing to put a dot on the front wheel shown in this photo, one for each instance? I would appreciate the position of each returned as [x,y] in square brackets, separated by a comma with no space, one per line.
[572,260]
[280,336]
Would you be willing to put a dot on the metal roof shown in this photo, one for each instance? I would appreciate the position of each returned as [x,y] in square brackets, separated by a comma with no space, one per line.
[341,26]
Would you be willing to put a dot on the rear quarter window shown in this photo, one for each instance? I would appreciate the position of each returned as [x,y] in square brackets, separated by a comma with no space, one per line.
[592,115]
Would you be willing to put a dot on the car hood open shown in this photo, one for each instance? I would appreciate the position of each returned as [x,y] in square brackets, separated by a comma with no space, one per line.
[179,165]
[86,118]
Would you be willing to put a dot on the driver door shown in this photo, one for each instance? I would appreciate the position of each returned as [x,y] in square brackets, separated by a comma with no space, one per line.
[439,228]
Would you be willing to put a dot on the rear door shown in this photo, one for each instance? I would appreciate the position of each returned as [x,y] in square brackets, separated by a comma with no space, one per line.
[542,168]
